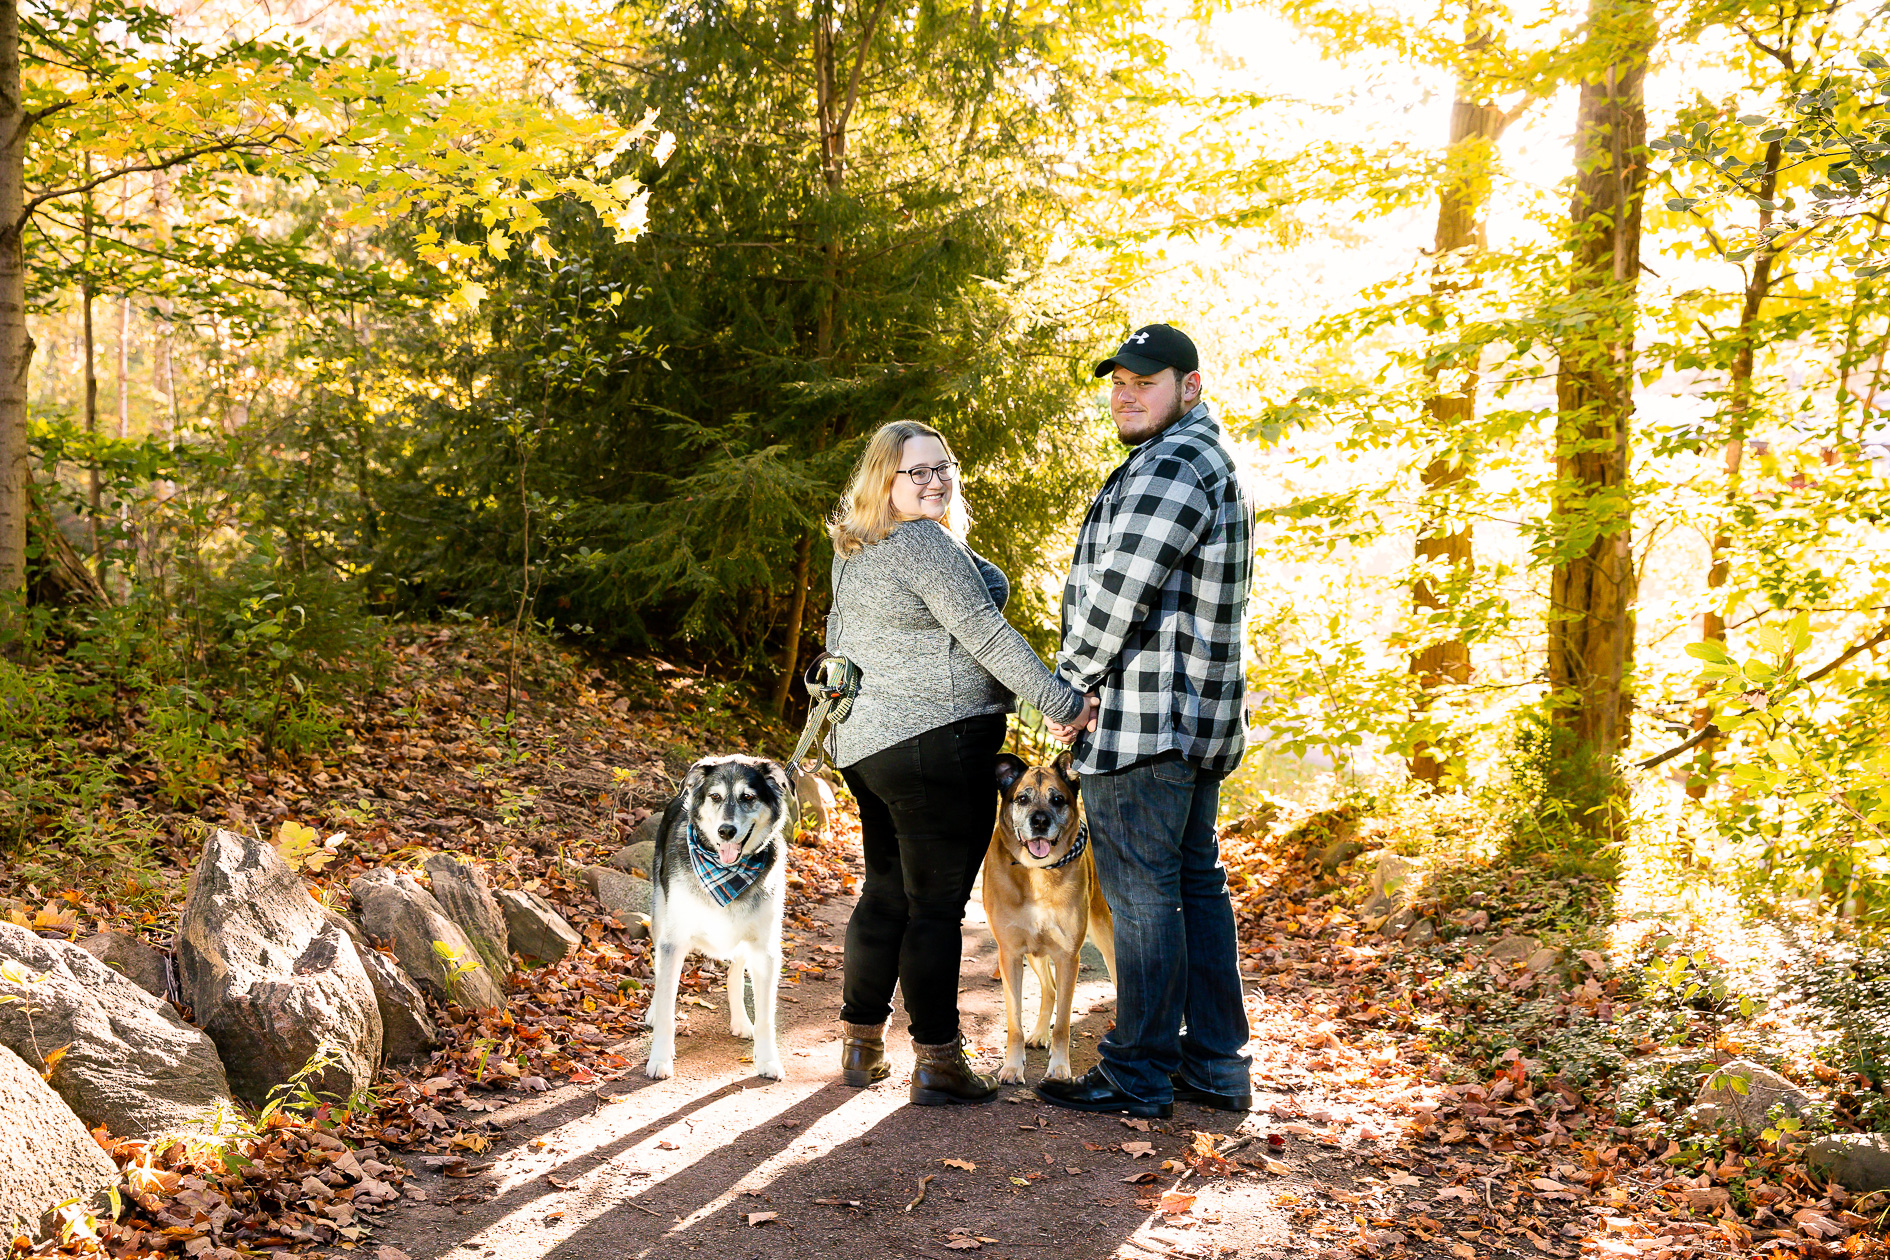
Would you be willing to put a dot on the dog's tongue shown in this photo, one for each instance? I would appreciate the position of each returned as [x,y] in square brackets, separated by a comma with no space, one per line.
[1039,846]
[727,854]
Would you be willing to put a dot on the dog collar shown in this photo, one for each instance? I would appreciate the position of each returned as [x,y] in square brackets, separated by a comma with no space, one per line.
[1076,850]
[724,883]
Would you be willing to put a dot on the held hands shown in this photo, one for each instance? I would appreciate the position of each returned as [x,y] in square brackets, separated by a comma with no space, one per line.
[1084,721]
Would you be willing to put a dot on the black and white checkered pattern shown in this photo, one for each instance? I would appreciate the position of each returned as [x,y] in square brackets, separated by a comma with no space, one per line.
[1154,608]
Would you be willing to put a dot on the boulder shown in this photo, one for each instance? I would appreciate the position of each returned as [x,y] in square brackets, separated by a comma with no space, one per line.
[132,959]
[1338,853]
[271,976]
[1746,1095]
[538,932]
[626,896]
[430,946]
[1543,959]
[129,1064]
[1514,948]
[1390,873]
[462,891]
[1398,924]
[1860,1162]
[640,856]
[49,1155]
[408,1029]
[1423,932]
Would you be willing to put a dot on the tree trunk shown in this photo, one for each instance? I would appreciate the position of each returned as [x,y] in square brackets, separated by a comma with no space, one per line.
[57,575]
[16,348]
[833,108]
[1474,129]
[1738,427]
[1591,589]
[797,610]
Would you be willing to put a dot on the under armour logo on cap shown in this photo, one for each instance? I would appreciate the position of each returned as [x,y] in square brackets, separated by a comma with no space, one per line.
[1151,348]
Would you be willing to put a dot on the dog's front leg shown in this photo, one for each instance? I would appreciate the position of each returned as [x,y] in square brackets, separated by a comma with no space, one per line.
[1046,1002]
[738,1022]
[764,972]
[662,1017]
[1011,968]
[1065,968]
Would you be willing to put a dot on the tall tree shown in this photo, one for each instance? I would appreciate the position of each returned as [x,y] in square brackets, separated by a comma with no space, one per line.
[114,82]
[1592,581]
[1444,536]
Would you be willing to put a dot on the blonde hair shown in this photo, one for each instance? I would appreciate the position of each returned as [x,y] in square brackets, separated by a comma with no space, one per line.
[864,514]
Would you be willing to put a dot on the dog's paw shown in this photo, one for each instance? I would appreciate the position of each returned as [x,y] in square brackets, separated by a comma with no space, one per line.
[1057,1071]
[1040,1039]
[741,1026]
[770,1068]
[660,1069]
[1011,1073]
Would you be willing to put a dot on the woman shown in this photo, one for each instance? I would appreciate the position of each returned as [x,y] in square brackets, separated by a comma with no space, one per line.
[920,614]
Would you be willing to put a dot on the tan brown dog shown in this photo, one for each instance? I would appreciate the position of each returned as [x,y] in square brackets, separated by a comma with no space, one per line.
[1042,901]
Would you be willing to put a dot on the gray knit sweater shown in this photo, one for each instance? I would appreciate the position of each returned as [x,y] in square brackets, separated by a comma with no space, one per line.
[921,614]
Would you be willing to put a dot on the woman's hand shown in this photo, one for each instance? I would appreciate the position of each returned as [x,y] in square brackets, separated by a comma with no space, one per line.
[1084,721]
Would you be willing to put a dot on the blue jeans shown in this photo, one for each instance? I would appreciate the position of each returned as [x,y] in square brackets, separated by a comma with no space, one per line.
[1178,998]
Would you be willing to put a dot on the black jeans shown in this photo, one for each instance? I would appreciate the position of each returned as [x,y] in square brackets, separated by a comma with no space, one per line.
[927,806]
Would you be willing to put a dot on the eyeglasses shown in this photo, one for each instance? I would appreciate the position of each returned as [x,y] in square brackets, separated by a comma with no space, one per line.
[922,474]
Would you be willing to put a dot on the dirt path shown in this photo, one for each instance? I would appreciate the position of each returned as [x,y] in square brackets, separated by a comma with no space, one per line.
[641,1168]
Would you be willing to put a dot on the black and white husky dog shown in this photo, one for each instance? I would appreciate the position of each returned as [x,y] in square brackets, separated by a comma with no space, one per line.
[719,888]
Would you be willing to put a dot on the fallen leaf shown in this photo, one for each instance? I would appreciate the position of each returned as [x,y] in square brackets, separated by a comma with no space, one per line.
[1405,1179]
[964,1244]
[1275,1167]
[667,1146]
[391,1253]
[1136,1150]
[1140,1126]
[965,1164]
[1174,1202]
[760,1218]
[1463,1251]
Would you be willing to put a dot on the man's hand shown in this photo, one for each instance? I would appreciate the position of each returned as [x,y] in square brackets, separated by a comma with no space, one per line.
[1084,721]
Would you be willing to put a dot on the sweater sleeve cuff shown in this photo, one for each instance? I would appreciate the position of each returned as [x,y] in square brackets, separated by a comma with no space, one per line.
[1072,704]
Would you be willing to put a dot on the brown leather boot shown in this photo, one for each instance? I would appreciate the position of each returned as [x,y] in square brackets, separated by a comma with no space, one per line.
[944,1075]
[863,1054]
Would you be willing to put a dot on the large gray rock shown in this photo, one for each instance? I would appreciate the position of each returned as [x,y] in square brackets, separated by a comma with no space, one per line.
[49,1155]
[129,1064]
[1860,1162]
[538,932]
[1747,1094]
[625,896]
[462,891]
[271,976]
[640,856]
[131,958]
[408,1029]
[1390,873]
[430,946]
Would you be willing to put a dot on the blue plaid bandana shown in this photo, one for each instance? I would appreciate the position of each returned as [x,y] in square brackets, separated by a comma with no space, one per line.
[725,883]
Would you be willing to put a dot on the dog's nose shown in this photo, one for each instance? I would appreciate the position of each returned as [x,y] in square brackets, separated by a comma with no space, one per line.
[726,831]
[1040,820]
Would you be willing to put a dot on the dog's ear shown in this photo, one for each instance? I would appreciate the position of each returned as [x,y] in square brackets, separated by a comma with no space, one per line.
[1010,768]
[1065,766]
[783,780]
[697,773]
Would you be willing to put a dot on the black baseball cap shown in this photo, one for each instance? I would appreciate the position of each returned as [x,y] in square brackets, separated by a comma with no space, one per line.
[1151,348]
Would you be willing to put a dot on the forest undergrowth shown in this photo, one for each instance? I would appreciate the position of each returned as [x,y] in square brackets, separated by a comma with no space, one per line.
[1551,1098]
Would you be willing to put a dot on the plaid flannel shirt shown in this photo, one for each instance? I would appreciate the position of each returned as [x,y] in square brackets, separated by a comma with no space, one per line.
[1155,605]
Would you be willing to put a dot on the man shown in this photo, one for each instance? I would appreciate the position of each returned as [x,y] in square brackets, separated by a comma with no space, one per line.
[1153,622]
